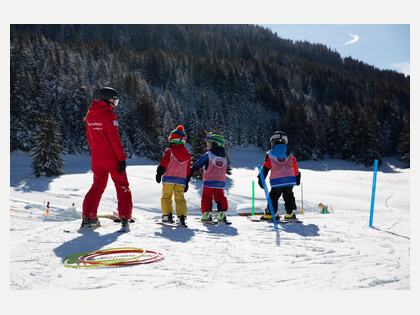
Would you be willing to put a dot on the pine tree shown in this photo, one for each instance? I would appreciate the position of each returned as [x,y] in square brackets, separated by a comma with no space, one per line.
[46,156]
[319,142]
[351,142]
[367,139]
[168,124]
[198,148]
[404,141]
[148,136]
[299,131]
[334,142]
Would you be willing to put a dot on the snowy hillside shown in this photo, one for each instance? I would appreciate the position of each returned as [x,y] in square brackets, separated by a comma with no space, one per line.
[328,251]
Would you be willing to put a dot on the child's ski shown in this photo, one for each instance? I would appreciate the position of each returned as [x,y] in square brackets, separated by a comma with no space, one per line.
[207,222]
[280,221]
[214,222]
[171,224]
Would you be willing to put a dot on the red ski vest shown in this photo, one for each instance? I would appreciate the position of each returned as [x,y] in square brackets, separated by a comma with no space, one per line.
[282,171]
[176,171]
[215,175]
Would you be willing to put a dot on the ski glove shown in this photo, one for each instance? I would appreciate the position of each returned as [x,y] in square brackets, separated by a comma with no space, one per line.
[159,172]
[298,179]
[123,165]
[260,182]
[265,173]
[186,184]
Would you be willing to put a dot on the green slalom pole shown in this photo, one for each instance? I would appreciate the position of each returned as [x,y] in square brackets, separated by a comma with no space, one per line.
[253,198]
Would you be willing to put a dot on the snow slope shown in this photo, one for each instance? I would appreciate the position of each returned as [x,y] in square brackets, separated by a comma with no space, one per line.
[328,251]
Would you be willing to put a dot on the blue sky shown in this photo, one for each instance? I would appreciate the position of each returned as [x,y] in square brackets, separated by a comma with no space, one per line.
[385,46]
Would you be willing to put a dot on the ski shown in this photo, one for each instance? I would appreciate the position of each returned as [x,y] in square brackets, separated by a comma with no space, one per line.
[80,230]
[124,229]
[214,222]
[119,221]
[281,221]
[207,222]
[88,229]
[171,224]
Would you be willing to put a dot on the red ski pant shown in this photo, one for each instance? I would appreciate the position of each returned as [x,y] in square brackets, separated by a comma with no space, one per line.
[207,199]
[100,180]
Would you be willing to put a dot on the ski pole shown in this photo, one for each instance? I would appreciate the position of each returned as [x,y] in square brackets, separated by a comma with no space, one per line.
[253,198]
[301,196]
[267,196]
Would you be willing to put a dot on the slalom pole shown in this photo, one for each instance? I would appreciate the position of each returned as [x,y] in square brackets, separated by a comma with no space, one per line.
[372,202]
[253,198]
[267,196]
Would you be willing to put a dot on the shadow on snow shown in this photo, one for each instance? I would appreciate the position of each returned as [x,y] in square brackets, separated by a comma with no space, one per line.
[88,241]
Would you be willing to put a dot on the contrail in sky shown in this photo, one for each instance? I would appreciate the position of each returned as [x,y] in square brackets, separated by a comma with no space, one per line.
[355,39]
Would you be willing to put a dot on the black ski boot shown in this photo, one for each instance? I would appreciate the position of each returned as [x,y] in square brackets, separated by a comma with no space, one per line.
[168,218]
[182,220]
[88,223]
[125,225]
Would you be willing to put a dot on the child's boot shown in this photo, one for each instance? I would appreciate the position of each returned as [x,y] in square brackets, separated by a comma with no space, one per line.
[222,216]
[168,218]
[290,216]
[267,215]
[182,219]
[206,216]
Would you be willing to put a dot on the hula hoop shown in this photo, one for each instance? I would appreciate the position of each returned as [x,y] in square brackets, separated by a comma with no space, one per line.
[88,259]
[85,258]
[73,260]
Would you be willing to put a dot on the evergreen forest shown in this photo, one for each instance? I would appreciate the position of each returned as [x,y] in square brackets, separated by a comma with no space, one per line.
[241,80]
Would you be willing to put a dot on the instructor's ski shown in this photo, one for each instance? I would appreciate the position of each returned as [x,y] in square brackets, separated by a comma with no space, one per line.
[88,229]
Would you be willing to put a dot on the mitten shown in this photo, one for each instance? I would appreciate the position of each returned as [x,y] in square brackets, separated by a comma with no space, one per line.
[159,172]
[122,167]
[298,179]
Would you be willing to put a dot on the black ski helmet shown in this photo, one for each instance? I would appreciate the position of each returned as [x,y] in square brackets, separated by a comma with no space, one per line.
[106,93]
[279,137]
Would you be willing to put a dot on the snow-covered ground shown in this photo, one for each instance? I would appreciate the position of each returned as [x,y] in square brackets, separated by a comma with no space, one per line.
[328,251]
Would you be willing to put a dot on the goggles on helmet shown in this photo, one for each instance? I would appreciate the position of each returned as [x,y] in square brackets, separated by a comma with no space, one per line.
[115,102]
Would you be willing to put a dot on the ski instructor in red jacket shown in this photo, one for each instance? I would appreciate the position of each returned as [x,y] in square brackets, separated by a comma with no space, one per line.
[108,158]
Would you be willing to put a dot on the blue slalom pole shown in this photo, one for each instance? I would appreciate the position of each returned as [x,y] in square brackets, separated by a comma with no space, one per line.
[267,196]
[372,203]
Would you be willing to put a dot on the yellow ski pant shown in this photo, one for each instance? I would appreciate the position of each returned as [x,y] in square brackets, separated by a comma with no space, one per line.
[166,200]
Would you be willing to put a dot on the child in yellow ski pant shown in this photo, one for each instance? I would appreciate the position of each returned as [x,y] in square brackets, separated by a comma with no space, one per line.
[166,200]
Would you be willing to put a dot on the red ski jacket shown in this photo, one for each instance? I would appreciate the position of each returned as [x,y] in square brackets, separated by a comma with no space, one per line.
[102,134]
[181,154]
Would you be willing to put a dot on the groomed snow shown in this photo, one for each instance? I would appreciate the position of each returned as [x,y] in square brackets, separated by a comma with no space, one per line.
[335,251]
